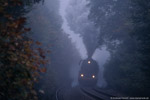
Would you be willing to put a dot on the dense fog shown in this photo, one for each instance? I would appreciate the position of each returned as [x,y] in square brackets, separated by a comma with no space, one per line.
[77,29]
[114,33]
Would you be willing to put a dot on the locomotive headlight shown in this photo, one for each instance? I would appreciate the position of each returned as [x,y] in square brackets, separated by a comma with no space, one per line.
[82,75]
[89,62]
[93,76]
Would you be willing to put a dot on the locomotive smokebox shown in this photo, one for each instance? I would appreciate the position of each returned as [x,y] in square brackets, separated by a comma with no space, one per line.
[88,73]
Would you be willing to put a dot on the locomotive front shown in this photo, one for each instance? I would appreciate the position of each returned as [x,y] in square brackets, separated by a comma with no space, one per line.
[88,74]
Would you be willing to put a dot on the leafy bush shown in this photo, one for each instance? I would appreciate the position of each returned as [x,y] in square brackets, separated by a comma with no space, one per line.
[19,62]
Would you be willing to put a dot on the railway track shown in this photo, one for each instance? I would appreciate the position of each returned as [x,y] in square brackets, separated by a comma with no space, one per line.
[96,94]
[87,94]
[59,95]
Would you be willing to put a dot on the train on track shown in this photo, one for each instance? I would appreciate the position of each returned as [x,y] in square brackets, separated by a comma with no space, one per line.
[88,74]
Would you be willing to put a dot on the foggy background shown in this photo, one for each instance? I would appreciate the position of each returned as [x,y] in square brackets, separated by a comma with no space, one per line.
[76,29]
[75,32]
[43,41]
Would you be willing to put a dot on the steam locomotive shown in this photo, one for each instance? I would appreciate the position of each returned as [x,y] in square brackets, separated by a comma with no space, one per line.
[88,73]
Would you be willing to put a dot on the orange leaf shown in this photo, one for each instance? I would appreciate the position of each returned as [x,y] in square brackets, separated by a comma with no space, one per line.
[6,4]
[35,67]
[43,70]
[48,51]
[27,29]
[38,43]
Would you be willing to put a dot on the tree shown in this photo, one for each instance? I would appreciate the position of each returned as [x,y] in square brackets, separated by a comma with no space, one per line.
[122,23]
[63,54]
[19,62]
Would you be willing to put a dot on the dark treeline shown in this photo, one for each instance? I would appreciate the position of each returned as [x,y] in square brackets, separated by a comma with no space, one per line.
[22,50]
[46,23]
[20,64]
[125,30]
[32,43]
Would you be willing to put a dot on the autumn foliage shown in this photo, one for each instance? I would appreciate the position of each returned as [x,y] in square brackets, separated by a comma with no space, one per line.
[20,63]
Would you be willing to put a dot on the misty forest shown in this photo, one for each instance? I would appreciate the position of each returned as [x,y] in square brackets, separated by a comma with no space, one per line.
[50,48]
